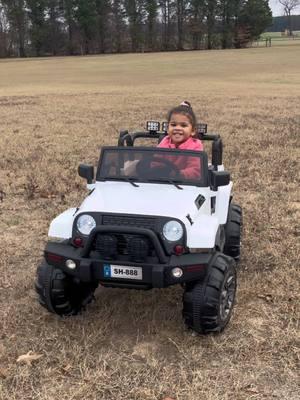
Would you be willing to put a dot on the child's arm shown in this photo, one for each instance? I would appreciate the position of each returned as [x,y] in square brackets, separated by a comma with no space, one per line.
[192,169]
[193,164]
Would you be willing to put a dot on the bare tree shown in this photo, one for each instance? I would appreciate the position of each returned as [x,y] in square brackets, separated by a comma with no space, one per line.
[288,7]
[4,28]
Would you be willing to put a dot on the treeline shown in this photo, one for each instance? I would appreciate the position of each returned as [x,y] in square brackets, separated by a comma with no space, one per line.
[73,27]
[280,24]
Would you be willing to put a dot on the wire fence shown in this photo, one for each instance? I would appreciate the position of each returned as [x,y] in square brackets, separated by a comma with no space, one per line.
[268,41]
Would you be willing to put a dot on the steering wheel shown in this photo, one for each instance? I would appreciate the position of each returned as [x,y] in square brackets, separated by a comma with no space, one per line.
[163,167]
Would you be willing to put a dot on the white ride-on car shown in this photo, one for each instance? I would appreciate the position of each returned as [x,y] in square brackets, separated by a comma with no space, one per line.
[144,225]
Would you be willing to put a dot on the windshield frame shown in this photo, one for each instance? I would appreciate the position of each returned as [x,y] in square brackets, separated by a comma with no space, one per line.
[201,182]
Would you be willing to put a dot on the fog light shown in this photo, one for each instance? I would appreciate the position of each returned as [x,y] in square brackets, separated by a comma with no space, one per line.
[106,245]
[70,264]
[138,248]
[177,272]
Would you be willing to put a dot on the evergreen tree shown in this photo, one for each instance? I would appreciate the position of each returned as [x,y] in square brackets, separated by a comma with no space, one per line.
[135,12]
[167,11]
[16,17]
[118,25]
[38,31]
[227,16]
[69,17]
[196,26]
[96,26]
[211,13]
[151,8]
[255,16]
[181,10]
[54,36]
[86,16]
[103,10]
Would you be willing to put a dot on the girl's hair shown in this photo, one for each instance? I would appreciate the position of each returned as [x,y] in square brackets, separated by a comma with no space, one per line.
[185,108]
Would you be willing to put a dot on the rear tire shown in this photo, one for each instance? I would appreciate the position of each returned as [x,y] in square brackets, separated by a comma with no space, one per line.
[60,293]
[233,232]
[208,304]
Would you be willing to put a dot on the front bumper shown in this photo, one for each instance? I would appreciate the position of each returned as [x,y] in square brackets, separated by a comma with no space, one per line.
[158,275]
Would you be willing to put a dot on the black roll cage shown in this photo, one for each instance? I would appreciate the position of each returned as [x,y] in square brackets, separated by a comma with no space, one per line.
[128,139]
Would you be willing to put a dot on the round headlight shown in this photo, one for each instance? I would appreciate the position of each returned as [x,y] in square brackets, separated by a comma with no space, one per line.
[173,231]
[85,224]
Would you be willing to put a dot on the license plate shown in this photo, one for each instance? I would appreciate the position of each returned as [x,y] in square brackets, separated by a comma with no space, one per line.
[122,272]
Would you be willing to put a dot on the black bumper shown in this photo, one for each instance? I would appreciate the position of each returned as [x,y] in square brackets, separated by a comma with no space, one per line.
[90,269]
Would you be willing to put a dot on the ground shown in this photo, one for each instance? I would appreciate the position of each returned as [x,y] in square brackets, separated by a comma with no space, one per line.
[58,112]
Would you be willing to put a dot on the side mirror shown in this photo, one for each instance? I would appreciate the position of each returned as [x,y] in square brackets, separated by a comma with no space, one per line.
[219,178]
[87,172]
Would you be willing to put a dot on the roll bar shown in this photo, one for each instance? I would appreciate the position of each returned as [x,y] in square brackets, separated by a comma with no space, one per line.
[128,139]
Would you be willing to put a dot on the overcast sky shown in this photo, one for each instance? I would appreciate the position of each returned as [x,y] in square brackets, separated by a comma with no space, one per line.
[277,8]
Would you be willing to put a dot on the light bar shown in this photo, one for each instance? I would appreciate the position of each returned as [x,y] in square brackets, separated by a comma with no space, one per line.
[165,126]
[202,129]
[152,126]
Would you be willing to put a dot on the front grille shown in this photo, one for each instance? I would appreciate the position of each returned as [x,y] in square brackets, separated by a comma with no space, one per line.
[126,246]
[121,220]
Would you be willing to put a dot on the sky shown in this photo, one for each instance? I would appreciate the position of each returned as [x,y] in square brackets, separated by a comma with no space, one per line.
[277,8]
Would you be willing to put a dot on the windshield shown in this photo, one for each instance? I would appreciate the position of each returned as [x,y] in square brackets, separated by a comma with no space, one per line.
[144,164]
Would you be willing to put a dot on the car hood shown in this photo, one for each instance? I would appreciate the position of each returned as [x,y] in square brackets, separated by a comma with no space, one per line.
[145,199]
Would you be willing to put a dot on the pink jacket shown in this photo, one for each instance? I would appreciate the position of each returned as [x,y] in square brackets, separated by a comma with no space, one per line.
[190,144]
[188,166]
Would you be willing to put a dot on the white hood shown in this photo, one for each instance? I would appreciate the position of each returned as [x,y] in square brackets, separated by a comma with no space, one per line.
[146,199]
[157,200]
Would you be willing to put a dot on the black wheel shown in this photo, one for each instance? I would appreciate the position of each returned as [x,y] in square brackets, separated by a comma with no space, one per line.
[207,305]
[62,294]
[233,231]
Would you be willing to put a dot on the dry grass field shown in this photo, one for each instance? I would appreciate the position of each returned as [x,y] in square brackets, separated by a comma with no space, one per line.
[58,112]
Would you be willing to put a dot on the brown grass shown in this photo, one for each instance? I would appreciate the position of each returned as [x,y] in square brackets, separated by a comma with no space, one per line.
[56,113]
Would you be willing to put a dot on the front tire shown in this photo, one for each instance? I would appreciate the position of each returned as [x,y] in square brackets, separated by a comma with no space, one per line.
[208,304]
[60,293]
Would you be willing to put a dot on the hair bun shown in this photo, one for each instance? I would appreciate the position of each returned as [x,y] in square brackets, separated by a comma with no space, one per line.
[186,104]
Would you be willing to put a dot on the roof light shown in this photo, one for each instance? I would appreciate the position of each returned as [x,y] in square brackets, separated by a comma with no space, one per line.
[164,126]
[201,129]
[152,126]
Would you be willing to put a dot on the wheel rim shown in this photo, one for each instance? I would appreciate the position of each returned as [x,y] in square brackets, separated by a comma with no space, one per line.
[227,297]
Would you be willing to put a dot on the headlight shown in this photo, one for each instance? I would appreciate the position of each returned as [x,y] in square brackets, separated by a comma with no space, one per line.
[173,231]
[85,224]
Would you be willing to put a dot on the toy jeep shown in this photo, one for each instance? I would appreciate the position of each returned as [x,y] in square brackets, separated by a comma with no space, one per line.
[144,225]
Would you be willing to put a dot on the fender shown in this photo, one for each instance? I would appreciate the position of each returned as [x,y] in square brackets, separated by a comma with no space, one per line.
[61,226]
[222,203]
[202,234]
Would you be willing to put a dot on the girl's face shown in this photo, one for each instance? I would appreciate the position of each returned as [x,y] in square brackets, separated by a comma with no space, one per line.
[180,128]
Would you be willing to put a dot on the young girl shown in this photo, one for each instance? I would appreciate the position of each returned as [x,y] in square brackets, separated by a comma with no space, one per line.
[181,129]
[182,126]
